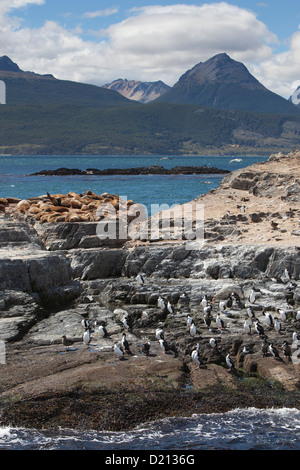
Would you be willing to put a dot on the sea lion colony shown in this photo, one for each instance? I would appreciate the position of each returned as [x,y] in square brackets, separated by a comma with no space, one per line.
[70,207]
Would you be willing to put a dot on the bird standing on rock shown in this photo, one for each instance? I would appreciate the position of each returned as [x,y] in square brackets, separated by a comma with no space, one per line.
[67,342]
[164,345]
[146,348]
[237,299]
[259,328]
[118,351]
[245,350]
[160,303]
[125,344]
[282,314]
[295,338]
[170,308]
[207,309]
[252,296]
[229,302]
[159,333]
[247,327]
[193,329]
[195,356]
[264,348]
[269,319]
[289,296]
[140,279]
[207,319]
[273,351]
[173,348]
[277,325]
[287,350]
[125,322]
[229,363]
[220,323]
[250,313]
[85,323]
[204,301]
[103,331]
[86,337]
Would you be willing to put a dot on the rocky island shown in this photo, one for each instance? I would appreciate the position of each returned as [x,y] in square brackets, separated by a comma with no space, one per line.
[144,170]
[227,310]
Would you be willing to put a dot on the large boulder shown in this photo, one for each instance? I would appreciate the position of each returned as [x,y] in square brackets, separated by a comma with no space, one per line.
[35,272]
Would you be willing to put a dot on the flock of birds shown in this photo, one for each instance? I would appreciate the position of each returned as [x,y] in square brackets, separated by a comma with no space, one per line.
[89,326]
[250,323]
[122,348]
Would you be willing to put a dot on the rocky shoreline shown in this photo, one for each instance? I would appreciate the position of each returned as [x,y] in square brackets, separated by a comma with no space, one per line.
[55,275]
[144,170]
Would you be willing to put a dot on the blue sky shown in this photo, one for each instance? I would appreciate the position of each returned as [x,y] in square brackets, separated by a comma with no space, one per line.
[282,18]
[98,41]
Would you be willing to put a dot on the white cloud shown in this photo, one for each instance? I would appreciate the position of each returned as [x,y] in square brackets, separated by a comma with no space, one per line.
[282,71]
[154,42]
[9,5]
[12,4]
[100,13]
[169,39]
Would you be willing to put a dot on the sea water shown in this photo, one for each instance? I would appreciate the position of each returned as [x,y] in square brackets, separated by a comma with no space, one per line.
[149,190]
[239,429]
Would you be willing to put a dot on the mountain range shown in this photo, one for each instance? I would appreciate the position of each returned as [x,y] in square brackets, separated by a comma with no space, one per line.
[215,108]
[34,89]
[224,83]
[220,82]
[144,92]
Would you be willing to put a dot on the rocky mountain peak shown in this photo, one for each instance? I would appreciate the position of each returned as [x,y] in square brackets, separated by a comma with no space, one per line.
[144,92]
[7,65]
[222,69]
[224,83]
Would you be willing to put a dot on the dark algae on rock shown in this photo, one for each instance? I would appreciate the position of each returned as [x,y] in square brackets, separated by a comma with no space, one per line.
[108,409]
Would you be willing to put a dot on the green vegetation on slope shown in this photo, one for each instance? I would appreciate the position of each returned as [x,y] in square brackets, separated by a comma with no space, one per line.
[26,89]
[156,128]
[229,96]
[44,115]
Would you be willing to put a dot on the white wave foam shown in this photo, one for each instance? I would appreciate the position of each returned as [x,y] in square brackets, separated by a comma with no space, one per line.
[5,432]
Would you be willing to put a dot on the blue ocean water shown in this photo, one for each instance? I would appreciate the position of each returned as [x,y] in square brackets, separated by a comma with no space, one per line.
[147,190]
[239,429]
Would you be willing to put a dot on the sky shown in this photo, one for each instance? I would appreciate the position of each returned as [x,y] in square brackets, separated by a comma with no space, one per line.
[98,41]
